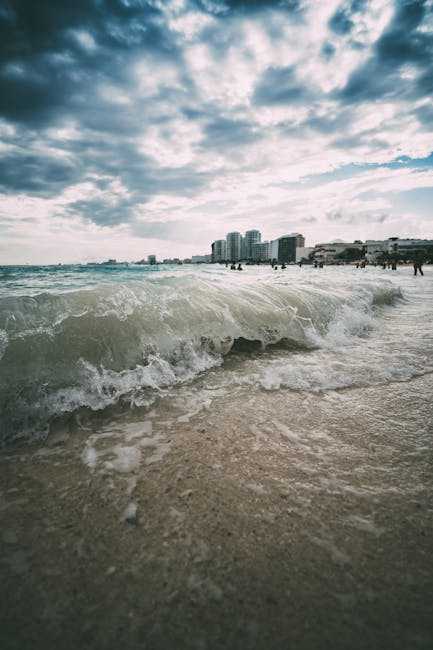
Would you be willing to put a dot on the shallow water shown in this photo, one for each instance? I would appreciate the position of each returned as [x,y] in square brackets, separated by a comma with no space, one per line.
[278,496]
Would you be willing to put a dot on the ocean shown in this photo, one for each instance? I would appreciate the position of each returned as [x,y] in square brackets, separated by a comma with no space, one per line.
[196,457]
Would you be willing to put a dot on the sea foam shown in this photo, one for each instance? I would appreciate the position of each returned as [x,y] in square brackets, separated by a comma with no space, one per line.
[92,348]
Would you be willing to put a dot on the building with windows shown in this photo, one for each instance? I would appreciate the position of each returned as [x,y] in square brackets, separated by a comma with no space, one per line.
[407,247]
[375,249]
[251,237]
[329,252]
[234,246]
[219,250]
[260,251]
[286,249]
[394,246]
[283,249]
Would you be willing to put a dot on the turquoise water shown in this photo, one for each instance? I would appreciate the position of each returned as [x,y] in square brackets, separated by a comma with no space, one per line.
[31,280]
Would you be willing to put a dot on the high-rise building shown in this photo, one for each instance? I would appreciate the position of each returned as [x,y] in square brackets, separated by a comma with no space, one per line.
[219,250]
[286,249]
[283,249]
[251,237]
[234,246]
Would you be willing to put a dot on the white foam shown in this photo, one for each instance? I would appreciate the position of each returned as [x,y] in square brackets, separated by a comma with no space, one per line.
[4,339]
[130,513]
[166,330]
[127,459]
[90,457]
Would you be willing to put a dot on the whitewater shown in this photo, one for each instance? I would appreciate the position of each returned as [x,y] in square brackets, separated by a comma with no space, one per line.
[83,338]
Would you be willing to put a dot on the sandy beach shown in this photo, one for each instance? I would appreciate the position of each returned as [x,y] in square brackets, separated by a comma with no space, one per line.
[218,532]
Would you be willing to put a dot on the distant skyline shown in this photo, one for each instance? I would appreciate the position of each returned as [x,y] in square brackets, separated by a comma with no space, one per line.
[136,127]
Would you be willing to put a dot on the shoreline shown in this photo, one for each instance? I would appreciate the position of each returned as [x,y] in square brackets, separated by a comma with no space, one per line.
[275,531]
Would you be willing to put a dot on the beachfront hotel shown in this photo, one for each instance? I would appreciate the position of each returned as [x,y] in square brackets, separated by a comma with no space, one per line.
[251,248]
[234,246]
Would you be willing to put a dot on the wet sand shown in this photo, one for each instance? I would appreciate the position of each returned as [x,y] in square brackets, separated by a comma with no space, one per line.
[270,520]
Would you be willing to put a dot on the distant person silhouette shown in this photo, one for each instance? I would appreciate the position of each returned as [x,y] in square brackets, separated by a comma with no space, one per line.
[417,266]
[239,267]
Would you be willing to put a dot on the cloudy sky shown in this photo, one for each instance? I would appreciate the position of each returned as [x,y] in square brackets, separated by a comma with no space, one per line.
[130,127]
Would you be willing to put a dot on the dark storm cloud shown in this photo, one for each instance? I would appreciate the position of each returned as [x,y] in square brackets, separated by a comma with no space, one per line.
[343,20]
[280,86]
[425,117]
[401,43]
[141,178]
[102,212]
[118,75]
[221,132]
[52,65]
[47,57]
[36,174]
[327,51]
[334,121]
[225,7]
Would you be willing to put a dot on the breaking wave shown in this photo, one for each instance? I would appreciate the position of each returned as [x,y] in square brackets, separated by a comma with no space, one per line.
[125,342]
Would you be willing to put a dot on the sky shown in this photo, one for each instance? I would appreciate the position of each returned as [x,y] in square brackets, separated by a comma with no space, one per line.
[136,127]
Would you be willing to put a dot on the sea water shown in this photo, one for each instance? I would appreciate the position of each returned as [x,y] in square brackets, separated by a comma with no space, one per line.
[195,457]
[85,338]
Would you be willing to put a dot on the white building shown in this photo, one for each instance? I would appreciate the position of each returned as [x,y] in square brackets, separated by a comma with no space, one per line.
[251,237]
[328,252]
[394,245]
[375,249]
[273,249]
[219,250]
[408,246]
[234,246]
[260,251]
[283,249]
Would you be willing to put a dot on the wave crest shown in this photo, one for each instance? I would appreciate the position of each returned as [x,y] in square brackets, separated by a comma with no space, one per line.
[92,348]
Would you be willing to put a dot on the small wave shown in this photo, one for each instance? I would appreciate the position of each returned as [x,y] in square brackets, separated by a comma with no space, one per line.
[92,348]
